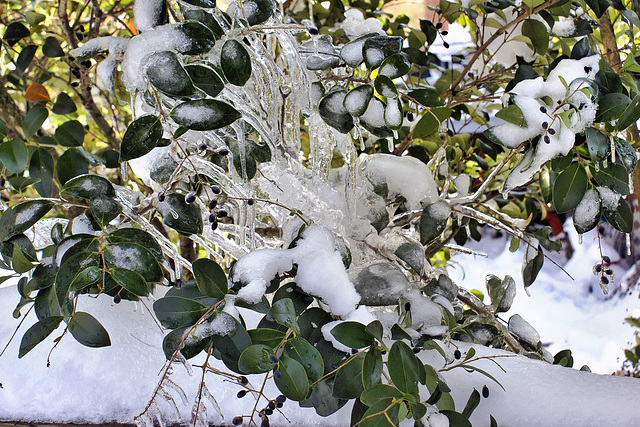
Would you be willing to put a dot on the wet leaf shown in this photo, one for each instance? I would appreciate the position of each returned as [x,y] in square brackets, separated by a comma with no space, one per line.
[205,78]
[569,188]
[71,164]
[133,257]
[293,383]
[210,278]
[176,312]
[333,112]
[165,73]
[433,221]
[88,186]
[142,136]
[182,217]
[37,333]
[255,359]
[88,331]
[20,217]
[70,134]
[235,62]
[204,114]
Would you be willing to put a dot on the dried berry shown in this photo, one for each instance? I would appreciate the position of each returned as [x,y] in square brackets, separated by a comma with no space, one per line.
[202,146]
[608,271]
[277,374]
[457,354]
[213,203]
[161,197]
[279,405]
[242,393]
[191,197]
[215,189]
[236,421]
[117,299]
[485,391]
[606,259]
[273,358]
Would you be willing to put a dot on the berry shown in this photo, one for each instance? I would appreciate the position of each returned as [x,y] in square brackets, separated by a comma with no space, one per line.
[606,259]
[438,25]
[608,271]
[552,131]
[202,146]
[354,351]
[598,268]
[444,33]
[450,132]
[407,306]
[587,70]
[117,299]
[313,31]
[485,391]
[243,380]
[72,58]
[547,140]
[277,374]
[214,225]
[223,151]
[265,422]
[273,358]
[191,197]
[237,421]
[2,182]
[161,197]
[604,280]
[213,217]
[416,350]
[446,45]
[213,203]
[410,117]
[250,202]
[215,189]
[242,393]
[543,109]
[75,84]
[268,411]
[279,405]
[545,125]
[281,399]
[222,213]
[271,405]
[457,354]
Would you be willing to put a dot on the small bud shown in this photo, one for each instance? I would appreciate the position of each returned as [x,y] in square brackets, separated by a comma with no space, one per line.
[223,151]
[161,197]
[485,391]
[236,421]
[222,213]
[250,202]
[277,374]
[273,358]
[457,354]
[215,189]
[191,197]
[242,393]
[243,380]
[438,25]
[117,299]
[543,109]
[552,131]
[213,203]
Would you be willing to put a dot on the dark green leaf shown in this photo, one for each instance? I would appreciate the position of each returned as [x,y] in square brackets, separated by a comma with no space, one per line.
[375,329]
[173,339]
[310,359]
[177,312]
[614,177]
[380,392]
[427,97]
[512,114]
[20,262]
[88,331]
[472,403]
[130,280]
[88,186]
[167,75]
[51,48]
[15,31]
[322,399]
[299,298]
[431,121]
[581,49]
[333,112]
[26,56]
[598,6]
[404,368]
[34,120]
[22,216]
[355,101]
[587,214]
[269,337]
[136,235]
[204,114]
[258,11]
[536,31]
[626,154]
[385,86]
[133,257]
[176,213]
[533,260]
[85,277]
[501,292]
[70,134]
[611,106]
[46,304]
[598,144]
[433,221]
[630,115]
[210,278]
[255,359]
[395,66]
[456,419]
[352,334]
[37,333]
[348,383]
[3,130]
[293,383]
[233,343]
[235,62]
[569,188]
[71,164]
[104,209]
[283,312]
[64,104]
[619,215]
[200,37]
[372,368]
[142,136]
[14,155]
[383,413]
[41,167]
[205,79]
[72,273]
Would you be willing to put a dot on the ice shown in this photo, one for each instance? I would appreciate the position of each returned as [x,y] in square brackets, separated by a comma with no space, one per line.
[351,53]
[609,197]
[395,172]
[147,13]
[424,312]
[373,56]
[354,24]
[393,114]
[522,330]
[355,101]
[319,53]
[256,269]
[114,47]
[381,283]
[361,315]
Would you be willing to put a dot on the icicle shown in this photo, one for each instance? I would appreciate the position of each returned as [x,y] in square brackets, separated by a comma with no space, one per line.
[605,163]
[347,149]
[597,166]
[631,184]
[180,359]
[628,244]
[357,130]
[395,136]
[210,398]
[125,171]
[580,238]
[135,306]
[613,151]
[171,401]
[153,408]
[177,264]
[168,382]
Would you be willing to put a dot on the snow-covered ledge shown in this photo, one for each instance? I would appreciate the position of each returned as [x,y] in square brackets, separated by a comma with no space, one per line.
[113,384]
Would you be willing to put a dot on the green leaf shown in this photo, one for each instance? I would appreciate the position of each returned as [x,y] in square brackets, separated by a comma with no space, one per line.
[533,260]
[283,312]
[627,155]
[293,383]
[26,56]
[501,292]
[34,119]
[598,144]
[130,280]
[176,213]
[433,221]
[372,368]
[619,215]
[630,115]
[255,359]
[71,164]
[41,167]
[300,299]
[472,403]
[210,278]
[333,112]
[20,262]
[51,48]
[136,235]
[375,329]
[395,66]
[3,130]
[46,304]
[20,217]
[380,392]
[142,136]
[385,86]
[258,11]
[235,62]
[72,273]
[537,32]
[427,97]
[431,121]
[456,419]
[167,75]
[70,134]
[172,341]
[614,177]
[611,106]
[310,358]
[37,333]
[88,186]
[205,79]
[512,114]
[204,114]
[88,331]
[86,277]
[14,155]
[133,257]
[348,383]
[233,343]
[14,32]
[177,312]
[404,367]
[104,209]
[64,104]
[587,214]
[269,337]
[200,37]
[569,188]
[383,413]
[322,399]
[352,334]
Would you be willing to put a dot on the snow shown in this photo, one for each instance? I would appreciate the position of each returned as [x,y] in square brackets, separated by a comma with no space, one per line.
[522,330]
[351,52]
[354,24]
[147,13]
[564,27]
[588,210]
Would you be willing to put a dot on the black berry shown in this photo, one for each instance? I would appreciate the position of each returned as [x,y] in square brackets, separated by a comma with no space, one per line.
[242,393]
[543,109]
[416,350]
[250,202]
[450,132]
[608,271]
[202,146]
[410,117]
[273,358]
[222,213]
[277,374]
[279,405]
[281,399]
[407,306]
[213,203]
[161,197]
[598,268]
[191,197]
[547,140]
[354,351]
[604,280]
[75,84]
[237,421]
[117,299]
[606,259]
[213,217]
[265,422]
[243,380]
[214,225]
[545,125]
[438,25]
[313,31]
[268,411]
[552,131]
[444,33]
[223,151]
[485,391]
[215,189]
[2,182]
[457,354]
[271,405]
[446,45]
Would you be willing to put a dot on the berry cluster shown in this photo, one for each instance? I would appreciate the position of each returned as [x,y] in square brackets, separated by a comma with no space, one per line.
[602,269]
[265,412]
[438,26]
[215,212]
[203,148]
[545,126]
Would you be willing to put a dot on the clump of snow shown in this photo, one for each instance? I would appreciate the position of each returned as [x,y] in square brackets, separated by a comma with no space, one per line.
[404,176]
[147,13]
[351,52]
[354,24]
[255,270]
[522,330]
[588,210]
[564,27]
[114,48]
[393,114]
[361,315]
[373,56]
[424,312]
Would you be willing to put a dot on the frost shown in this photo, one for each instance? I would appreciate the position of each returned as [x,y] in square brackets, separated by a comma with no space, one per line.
[403,176]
